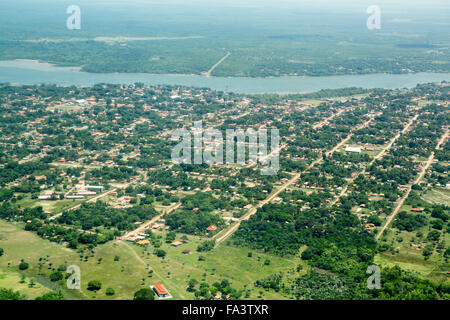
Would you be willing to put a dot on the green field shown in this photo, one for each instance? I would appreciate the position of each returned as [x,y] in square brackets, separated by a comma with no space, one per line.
[408,249]
[132,271]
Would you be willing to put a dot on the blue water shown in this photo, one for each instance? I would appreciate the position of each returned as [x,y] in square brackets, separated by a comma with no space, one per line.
[28,72]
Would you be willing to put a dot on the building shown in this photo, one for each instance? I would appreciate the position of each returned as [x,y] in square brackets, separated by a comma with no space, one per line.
[91,188]
[353,149]
[211,228]
[160,290]
[176,243]
[86,193]
[48,195]
[74,197]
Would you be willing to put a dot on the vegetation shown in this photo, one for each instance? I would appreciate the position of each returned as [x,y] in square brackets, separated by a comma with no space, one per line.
[144,294]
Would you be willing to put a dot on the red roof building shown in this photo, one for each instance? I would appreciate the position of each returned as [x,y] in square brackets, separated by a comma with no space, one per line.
[160,290]
[211,228]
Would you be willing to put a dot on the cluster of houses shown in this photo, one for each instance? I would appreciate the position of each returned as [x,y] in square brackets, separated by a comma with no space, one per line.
[84,191]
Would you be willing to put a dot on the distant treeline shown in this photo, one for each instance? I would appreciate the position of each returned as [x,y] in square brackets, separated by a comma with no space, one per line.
[270,99]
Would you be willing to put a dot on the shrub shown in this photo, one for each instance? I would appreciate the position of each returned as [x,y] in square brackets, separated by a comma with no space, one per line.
[23,266]
[56,276]
[144,294]
[94,285]
[110,292]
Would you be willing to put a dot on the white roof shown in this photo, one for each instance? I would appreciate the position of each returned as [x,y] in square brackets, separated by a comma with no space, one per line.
[353,149]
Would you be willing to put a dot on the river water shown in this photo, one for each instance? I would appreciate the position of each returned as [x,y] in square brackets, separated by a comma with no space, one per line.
[32,72]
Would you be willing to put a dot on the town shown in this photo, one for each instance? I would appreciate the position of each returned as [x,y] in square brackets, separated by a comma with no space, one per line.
[87,178]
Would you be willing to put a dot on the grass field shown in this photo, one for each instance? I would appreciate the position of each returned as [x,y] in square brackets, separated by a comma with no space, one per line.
[438,195]
[49,206]
[408,249]
[123,275]
[13,280]
[225,262]
[132,270]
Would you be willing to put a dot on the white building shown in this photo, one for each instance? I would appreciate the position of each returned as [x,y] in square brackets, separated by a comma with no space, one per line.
[353,149]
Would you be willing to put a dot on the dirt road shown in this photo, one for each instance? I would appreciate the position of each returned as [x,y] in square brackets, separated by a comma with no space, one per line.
[147,224]
[408,191]
[221,237]
[377,157]
[208,73]
[93,199]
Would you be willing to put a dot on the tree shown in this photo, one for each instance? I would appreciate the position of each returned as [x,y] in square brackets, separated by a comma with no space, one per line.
[56,276]
[207,245]
[110,292]
[144,294]
[52,296]
[23,265]
[1,251]
[191,285]
[160,253]
[8,294]
[32,283]
[94,285]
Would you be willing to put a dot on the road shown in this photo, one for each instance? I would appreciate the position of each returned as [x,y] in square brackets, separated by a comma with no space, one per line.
[327,120]
[220,238]
[147,224]
[377,157]
[208,73]
[93,199]
[408,191]
[170,285]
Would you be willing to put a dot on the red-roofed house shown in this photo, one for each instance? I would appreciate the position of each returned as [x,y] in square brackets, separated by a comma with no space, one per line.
[160,290]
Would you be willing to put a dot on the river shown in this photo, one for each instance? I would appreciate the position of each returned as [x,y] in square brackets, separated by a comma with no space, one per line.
[32,72]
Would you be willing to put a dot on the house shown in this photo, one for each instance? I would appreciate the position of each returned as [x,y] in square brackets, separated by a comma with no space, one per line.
[417,209]
[353,149]
[176,243]
[211,228]
[186,251]
[74,197]
[160,290]
[369,226]
[86,193]
[48,195]
[143,242]
[91,188]
[157,225]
